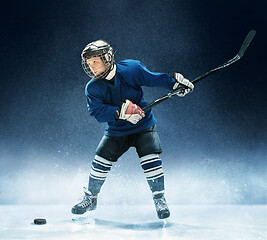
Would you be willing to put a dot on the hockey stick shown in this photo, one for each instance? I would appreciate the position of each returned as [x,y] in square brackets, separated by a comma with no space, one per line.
[240,54]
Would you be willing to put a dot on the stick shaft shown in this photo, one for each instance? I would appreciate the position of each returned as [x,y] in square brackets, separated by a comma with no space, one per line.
[240,54]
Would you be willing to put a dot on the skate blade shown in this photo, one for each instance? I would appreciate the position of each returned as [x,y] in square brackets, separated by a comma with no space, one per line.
[83,217]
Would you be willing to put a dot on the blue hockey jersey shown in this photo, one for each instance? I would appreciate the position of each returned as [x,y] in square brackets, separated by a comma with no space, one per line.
[104,98]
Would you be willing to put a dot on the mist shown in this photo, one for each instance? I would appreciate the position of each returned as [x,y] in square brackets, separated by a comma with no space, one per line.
[213,140]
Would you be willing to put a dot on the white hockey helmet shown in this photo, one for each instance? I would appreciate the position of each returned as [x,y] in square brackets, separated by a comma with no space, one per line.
[102,49]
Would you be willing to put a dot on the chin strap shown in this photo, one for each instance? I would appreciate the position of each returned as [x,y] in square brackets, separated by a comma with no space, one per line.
[111,73]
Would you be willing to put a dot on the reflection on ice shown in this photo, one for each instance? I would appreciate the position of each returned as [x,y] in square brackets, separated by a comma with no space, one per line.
[127,226]
[110,222]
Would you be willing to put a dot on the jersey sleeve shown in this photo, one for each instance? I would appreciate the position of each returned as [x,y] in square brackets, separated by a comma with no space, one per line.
[96,105]
[153,79]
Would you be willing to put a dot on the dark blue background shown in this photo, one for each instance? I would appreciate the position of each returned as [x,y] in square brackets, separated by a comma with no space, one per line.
[43,109]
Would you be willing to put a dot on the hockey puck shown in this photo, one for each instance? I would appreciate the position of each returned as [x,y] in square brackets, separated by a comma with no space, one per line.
[39,221]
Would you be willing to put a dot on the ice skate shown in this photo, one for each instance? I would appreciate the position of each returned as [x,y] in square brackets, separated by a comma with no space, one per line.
[88,203]
[161,206]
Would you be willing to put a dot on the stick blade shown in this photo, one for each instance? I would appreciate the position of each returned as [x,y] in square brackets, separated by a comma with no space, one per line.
[246,42]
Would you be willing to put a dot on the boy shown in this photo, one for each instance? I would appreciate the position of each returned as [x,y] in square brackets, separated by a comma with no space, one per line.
[114,95]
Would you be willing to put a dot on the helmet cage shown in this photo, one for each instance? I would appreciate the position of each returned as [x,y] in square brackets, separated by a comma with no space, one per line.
[108,59]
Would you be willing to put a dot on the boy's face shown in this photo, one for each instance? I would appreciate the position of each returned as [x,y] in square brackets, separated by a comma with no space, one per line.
[96,65]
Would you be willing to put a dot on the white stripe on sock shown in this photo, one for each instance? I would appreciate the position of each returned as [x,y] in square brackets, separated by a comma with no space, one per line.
[100,170]
[155,177]
[102,164]
[154,173]
[97,178]
[98,174]
[103,160]
[154,160]
[151,169]
[150,156]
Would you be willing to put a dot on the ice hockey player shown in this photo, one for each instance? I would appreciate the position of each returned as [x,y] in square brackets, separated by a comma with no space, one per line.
[114,95]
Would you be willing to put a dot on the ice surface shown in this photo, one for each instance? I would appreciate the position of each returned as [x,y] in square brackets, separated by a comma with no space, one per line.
[120,222]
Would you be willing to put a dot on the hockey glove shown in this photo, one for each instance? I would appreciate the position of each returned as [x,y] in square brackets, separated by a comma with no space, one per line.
[130,112]
[183,83]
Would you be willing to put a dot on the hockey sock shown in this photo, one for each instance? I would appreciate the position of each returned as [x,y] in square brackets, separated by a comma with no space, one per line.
[99,171]
[152,166]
